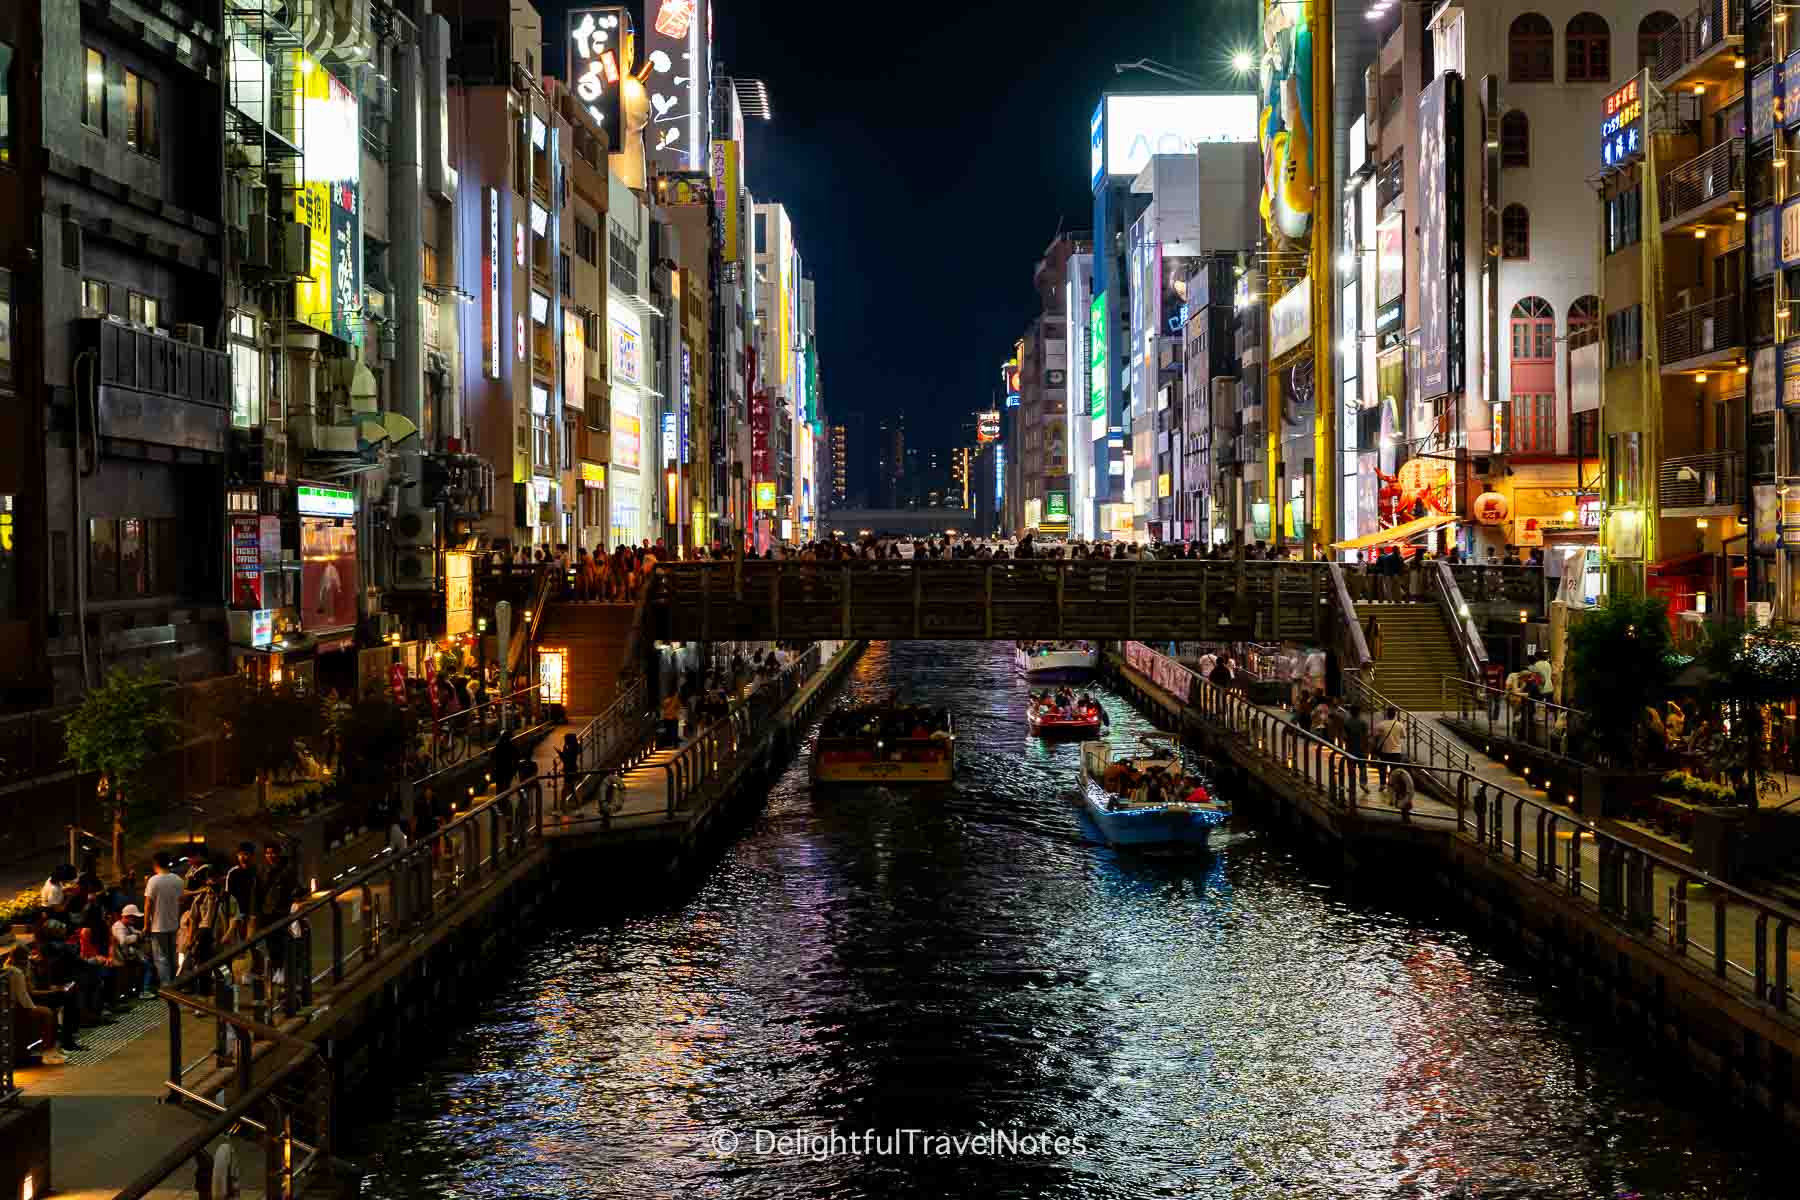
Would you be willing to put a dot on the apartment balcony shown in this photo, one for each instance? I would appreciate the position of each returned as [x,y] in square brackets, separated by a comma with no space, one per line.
[1706,190]
[1702,485]
[1698,337]
[1703,48]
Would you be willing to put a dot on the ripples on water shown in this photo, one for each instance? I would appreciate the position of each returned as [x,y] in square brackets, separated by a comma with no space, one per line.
[967,958]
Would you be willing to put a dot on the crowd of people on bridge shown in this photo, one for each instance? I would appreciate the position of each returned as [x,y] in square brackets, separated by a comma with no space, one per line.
[94,952]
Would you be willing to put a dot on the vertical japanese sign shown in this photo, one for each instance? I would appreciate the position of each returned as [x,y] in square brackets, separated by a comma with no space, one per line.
[490,279]
[680,107]
[596,46]
[687,400]
[725,168]
[759,437]
[326,202]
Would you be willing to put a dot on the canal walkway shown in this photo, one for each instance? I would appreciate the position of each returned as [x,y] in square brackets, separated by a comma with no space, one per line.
[1746,942]
[110,1124]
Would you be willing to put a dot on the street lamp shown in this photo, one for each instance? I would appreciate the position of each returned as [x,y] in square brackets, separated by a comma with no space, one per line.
[1151,66]
[1242,62]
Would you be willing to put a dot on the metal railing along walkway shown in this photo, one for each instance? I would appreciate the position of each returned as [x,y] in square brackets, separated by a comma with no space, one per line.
[1741,939]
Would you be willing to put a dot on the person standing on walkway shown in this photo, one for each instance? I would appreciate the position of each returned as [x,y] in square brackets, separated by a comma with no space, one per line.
[505,762]
[277,886]
[671,719]
[1356,741]
[569,755]
[1390,741]
[240,881]
[162,916]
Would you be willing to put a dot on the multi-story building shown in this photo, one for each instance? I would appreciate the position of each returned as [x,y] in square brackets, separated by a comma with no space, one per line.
[1694,423]
[888,461]
[116,385]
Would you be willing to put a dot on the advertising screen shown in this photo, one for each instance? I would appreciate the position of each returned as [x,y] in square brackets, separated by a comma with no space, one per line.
[327,202]
[246,563]
[987,427]
[765,495]
[1097,142]
[627,349]
[328,583]
[1140,127]
[626,438]
[679,59]
[1440,273]
[1056,507]
[596,39]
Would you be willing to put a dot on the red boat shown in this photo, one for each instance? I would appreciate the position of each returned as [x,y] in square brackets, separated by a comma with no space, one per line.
[1081,717]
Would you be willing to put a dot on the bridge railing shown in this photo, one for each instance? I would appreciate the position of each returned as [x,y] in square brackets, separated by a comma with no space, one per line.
[1740,938]
[1011,599]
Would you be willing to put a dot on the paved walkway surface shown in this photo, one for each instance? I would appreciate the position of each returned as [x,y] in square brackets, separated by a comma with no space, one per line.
[107,1124]
[1740,918]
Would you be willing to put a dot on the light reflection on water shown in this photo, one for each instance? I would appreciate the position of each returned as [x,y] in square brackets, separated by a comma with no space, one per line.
[966,958]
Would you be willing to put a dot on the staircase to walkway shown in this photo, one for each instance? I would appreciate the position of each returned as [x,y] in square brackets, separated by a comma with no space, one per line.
[597,636]
[1416,648]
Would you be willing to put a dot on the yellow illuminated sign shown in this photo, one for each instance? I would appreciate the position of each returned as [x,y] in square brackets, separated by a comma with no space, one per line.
[552,670]
[765,497]
[593,475]
[326,125]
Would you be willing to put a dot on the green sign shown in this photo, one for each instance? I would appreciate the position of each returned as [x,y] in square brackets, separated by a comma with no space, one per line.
[315,501]
[1056,508]
[1097,358]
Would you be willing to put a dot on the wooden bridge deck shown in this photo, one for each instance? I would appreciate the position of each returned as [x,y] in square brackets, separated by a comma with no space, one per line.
[1158,600]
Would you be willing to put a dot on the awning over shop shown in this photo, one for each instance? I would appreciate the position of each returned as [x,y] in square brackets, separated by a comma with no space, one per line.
[1397,533]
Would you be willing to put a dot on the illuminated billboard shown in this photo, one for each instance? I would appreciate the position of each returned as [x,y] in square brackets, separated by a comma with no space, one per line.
[987,427]
[679,45]
[1009,377]
[327,202]
[765,496]
[727,161]
[596,44]
[1137,128]
[1097,358]
[627,346]
[1097,142]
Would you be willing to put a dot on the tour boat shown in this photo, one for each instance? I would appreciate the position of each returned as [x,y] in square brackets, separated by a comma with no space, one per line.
[886,743]
[1081,716]
[1144,800]
[1046,661]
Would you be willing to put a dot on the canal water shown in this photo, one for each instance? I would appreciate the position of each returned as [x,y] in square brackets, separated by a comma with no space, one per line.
[968,961]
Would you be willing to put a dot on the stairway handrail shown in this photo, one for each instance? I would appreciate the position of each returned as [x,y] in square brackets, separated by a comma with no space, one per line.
[1470,649]
[1355,642]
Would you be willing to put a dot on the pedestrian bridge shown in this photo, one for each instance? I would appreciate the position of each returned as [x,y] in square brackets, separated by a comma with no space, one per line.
[1015,599]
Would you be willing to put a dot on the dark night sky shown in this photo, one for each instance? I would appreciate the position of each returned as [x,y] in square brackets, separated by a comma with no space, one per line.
[926,154]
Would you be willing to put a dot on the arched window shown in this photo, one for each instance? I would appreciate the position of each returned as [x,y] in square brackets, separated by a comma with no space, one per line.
[1531,49]
[1584,321]
[1651,31]
[1515,232]
[1590,49]
[1533,376]
[1515,139]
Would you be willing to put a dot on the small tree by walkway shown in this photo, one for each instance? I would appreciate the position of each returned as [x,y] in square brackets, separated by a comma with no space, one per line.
[268,724]
[119,729]
[1747,669]
[1619,658]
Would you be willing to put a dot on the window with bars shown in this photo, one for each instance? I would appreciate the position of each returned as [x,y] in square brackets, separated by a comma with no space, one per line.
[1625,336]
[621,259]
[1515,139]
[1532,414]
[587,242]
[1624,219]
[1531,49]
[1588,42]
[1515,232]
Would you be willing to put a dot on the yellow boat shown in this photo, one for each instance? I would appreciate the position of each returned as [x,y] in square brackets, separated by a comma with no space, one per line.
[886,743]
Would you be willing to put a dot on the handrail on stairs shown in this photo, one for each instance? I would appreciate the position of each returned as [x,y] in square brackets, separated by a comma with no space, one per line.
[1353,647]
[1471,651]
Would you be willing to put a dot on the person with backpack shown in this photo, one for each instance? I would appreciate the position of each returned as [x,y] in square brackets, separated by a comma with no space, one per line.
[203,926]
